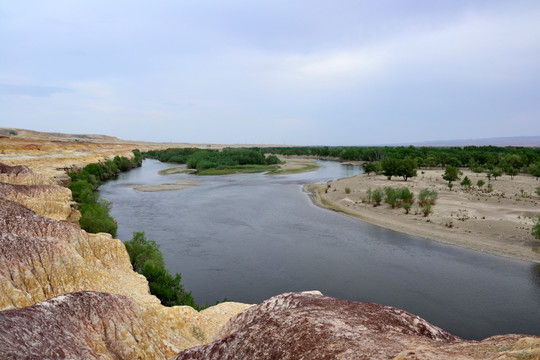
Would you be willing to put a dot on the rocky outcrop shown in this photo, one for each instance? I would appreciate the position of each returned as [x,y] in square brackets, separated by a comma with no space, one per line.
[312,326]
[21,175]
[81,325]
[47,200]
[42,258]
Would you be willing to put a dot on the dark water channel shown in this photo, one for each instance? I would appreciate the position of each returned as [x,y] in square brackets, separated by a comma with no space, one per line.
[248,237]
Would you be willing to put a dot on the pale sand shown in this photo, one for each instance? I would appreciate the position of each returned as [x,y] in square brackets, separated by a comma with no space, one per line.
[499,222]
[179,185]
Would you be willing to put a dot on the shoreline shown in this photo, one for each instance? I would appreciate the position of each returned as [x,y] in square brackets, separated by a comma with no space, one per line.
[480,233]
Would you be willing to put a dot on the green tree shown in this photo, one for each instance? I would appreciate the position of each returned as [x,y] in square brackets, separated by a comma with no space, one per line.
[495,173]
[374,166]
[390,167]
[407,168]
[451,173]
[536,227]
[466,182]
[480,183]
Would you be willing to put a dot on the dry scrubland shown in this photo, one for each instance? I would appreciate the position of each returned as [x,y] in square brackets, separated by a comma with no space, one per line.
[497,222]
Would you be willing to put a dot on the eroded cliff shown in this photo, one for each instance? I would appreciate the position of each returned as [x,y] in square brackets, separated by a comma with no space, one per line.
[42,258]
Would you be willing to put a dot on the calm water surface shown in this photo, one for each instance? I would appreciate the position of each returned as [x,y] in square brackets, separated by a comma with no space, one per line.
[248,237]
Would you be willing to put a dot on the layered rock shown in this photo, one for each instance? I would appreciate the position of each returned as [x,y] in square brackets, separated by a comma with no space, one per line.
[312,326]
[42,257]
[47,200]
[81,325]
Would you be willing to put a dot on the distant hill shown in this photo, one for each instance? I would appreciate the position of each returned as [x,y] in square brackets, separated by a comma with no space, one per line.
[31,134]
[526,141]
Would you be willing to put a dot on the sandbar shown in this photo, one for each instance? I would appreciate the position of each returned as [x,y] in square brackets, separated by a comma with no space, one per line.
[498,222]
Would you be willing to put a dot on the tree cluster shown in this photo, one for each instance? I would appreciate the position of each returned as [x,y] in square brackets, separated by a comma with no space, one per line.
[95,211]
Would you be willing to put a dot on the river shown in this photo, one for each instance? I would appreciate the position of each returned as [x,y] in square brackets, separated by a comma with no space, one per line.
[248,237]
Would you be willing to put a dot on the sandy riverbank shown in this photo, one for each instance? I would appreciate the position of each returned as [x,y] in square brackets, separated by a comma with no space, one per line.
[498,222]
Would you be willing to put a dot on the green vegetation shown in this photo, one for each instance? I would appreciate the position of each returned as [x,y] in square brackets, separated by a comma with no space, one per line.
[451,173]
[537,190]
[466,182]
[147,260]
[398,197]
[303,168]
[427,196]
[347,190]
[480,183]
[214,162]
[94,211]
[536,227]
[392,166]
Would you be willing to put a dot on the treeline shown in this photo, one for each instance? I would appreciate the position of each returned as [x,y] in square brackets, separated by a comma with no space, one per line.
[203,159]
[95,211]
[479,158]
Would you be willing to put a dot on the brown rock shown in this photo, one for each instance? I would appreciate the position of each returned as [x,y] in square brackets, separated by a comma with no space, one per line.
[311,326]
[80,325]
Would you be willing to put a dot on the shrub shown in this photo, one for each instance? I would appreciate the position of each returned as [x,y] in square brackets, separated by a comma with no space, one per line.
[407,207]
[426,209]
[347,190]
[272,159]
[489,187]
[466,182]
[391,196]
[406,196]
[427,196]
[537,190]
[369,194]
[377,195]
[536,227]
[147,260]
[95,218]
[82,191]
[480,183]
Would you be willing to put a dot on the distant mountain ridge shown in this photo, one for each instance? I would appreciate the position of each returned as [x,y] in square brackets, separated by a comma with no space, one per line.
[526,141]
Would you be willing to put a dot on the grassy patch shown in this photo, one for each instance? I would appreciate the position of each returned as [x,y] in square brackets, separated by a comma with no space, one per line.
[304,168]
[237,169]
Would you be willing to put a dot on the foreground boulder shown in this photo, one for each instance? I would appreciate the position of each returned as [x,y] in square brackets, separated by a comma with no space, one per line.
[311,326]
[80,325]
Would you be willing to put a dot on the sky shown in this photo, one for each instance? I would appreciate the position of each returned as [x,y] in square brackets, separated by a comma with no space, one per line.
[305,72]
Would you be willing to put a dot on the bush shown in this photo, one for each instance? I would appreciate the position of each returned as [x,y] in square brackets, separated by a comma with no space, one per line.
[147,259]
[536,227]
[426,209]
[427,196]
[391,197]
[407,207]
[537,190]
[466,182]
[405,195]
[377,196]
[95,218]
[480,183]
[83,192]
[347,190]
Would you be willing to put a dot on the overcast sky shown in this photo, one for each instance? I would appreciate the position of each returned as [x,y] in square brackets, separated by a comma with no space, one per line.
[304,72]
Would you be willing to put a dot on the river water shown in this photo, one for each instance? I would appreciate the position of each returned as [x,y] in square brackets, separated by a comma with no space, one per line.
[248,237]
